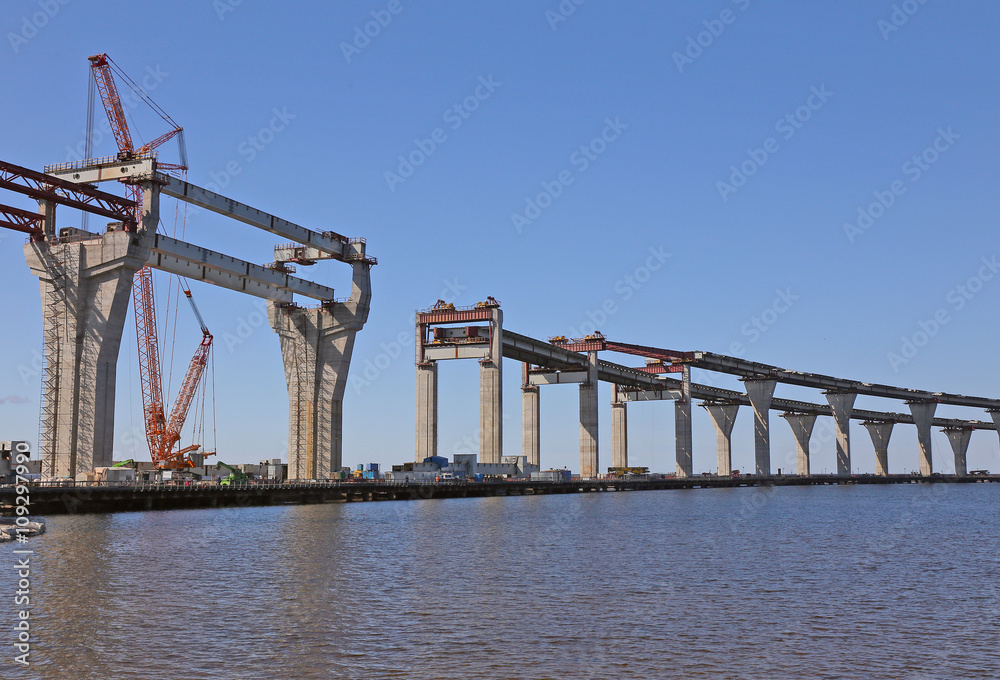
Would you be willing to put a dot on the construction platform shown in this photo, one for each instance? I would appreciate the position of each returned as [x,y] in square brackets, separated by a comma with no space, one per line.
[63,500]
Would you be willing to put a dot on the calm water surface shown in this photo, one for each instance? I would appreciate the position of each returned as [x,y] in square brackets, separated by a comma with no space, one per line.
[826,582]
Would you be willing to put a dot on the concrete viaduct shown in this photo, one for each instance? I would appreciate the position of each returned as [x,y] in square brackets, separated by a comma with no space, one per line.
[444,332]
[86,282]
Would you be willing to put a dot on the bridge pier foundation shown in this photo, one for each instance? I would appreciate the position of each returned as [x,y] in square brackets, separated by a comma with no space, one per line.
[802,427]
[880,432]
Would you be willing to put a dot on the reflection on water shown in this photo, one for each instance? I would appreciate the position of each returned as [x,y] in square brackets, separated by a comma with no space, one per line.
[832,582]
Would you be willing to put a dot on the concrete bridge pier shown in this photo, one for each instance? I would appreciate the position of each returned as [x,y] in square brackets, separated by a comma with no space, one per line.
[842,403]
[802,426]
[491,393]
[619,432]
[880,431]
[923,418]
[959,438]
[682,427]
[589,461]
[316,347]
[723,419]
[85,282]
[427,409]
[760,391]
[530,418]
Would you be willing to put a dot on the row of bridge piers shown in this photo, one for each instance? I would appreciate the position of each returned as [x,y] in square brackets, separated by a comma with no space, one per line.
[445,332]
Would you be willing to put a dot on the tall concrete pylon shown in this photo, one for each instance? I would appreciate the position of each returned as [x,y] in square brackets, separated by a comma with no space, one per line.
[959,438]
[491,393]
[760,391]
[427,407]
[86,283]
[723,418]
[619,431]
[880,431]
[923,418]
[316,347]
[802,426]
[684,442]
[842,404]
[589,457]
[530,419]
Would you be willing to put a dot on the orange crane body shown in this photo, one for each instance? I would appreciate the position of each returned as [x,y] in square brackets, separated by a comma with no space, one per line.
[160,435]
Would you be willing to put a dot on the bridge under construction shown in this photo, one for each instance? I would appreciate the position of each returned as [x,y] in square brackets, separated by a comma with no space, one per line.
[86,280]
[445,332]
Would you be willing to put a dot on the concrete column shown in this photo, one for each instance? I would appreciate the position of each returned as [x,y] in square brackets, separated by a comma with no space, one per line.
[802,427]
[589,462]
[995,415]
[530,423]
[723,418]
[316,347]
[491,394]
[682,427]
[760,391]
[880,432]
[923,418]
[427,411]
[842,404]
[959,438]
[85,286]
[619,434]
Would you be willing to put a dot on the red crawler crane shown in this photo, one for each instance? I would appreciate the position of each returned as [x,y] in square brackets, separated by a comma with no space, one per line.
[161,435]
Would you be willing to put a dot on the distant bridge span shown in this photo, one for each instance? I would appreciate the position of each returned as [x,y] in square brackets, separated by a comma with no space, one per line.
[445,332]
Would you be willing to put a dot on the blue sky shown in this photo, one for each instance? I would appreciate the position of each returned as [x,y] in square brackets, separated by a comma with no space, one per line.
[822,105]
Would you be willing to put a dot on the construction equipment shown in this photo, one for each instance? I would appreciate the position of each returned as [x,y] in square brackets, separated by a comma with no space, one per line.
[234,474]
[126,463]
[161,434]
